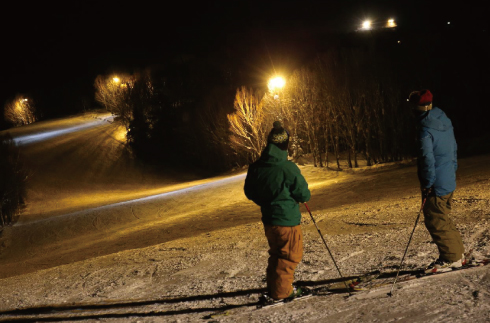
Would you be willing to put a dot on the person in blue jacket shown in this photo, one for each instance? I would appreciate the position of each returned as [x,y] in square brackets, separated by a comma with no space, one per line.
[436,167]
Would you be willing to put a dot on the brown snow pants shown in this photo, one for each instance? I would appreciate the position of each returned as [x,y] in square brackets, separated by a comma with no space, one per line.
[285,253]
[442,229]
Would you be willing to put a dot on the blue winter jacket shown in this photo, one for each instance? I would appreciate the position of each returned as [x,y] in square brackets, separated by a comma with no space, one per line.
[437,157]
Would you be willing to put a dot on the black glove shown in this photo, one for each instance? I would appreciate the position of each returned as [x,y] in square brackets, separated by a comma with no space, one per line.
[426,192]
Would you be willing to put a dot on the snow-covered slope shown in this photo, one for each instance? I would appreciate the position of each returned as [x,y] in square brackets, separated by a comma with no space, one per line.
[100,229]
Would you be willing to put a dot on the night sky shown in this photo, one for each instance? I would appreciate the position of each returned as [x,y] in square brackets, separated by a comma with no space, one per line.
[53,47]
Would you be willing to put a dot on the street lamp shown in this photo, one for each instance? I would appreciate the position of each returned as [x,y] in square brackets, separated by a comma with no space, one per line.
[19,105]
[276,83]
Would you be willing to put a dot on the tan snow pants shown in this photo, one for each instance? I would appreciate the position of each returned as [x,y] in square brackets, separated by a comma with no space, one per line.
[285,253]
[442,229]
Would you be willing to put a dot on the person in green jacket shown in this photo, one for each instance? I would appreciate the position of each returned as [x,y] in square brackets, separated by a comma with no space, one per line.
[277,186]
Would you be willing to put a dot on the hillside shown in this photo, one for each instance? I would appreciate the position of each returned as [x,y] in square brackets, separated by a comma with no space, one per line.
[194,247]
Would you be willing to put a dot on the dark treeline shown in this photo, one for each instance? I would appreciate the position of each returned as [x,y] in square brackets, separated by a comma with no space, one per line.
[175,108]
[170,109]
[349,97]
[13,177]
[349,101]
[346,94]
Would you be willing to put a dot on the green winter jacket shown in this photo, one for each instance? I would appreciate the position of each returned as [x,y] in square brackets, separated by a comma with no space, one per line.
[277,186]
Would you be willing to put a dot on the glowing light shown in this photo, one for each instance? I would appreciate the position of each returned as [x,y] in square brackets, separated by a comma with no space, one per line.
[116,79]
[120,134]
[366,25]
[276,83]
[391,23]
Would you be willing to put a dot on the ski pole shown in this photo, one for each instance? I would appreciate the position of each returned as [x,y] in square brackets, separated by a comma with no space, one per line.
[406,249]
[328,249]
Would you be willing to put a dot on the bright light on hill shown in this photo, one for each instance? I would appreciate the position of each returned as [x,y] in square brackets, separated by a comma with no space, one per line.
[366,25]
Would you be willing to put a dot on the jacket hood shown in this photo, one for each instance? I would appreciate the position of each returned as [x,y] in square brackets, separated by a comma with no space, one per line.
[273,155]
[436,119]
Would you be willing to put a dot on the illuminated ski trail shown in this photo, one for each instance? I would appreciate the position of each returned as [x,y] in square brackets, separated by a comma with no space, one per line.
[37,137]
[208,185]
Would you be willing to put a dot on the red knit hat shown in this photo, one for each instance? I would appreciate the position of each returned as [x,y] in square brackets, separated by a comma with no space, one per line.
[425,97]
[420,98]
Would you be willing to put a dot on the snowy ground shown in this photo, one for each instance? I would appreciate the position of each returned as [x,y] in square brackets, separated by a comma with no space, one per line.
[195,249]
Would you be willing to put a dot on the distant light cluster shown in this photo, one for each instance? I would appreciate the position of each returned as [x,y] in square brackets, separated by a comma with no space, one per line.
[370,25]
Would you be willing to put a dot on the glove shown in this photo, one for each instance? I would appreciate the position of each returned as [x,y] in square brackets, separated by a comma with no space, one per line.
[426,192]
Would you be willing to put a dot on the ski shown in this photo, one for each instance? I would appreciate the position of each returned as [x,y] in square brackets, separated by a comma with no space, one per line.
[275,303]
[470,264]
[353,283]
[386,279]
[263,303]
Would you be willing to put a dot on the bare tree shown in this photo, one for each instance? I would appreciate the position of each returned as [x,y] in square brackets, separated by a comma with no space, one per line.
[247,123]
[305,94]
[20,111]
[113,92]
[333,99]
[294,109]
[361,105]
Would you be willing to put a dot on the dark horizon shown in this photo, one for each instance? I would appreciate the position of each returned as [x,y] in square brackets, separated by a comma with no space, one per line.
[57,51]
